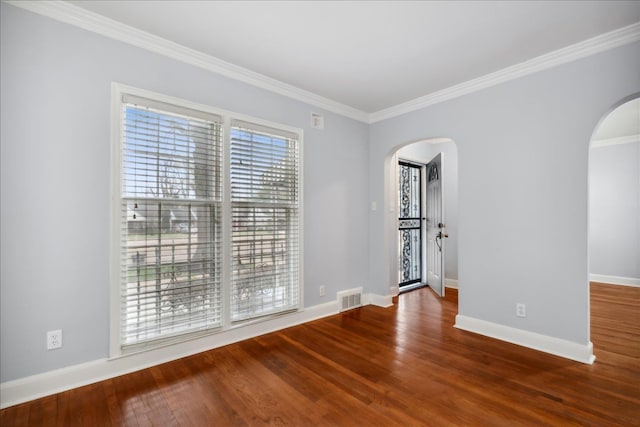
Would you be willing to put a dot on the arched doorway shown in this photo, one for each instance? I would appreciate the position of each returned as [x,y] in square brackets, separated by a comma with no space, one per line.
[614,196]
[419,154]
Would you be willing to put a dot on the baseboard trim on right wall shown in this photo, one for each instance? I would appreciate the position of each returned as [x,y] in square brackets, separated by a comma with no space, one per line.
[545,343]
[614,280]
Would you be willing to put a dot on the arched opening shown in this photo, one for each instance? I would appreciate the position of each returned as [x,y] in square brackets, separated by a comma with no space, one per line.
[420,154]
[614,196]
[614,220]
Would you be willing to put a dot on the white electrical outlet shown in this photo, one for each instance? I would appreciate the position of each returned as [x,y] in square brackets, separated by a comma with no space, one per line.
[521,310]
[323,291]
[54,339]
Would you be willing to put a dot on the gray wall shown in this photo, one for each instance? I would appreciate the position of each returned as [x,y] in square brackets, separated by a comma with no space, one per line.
[55,177]
[522,155]
[424,152]
[614,210]
[522,189]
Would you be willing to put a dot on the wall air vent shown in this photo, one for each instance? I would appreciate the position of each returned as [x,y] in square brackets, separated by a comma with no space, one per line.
[317,121]
[349,299]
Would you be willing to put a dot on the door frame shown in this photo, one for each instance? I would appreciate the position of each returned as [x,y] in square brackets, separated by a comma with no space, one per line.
[423,253]
[389,207]
[424,247]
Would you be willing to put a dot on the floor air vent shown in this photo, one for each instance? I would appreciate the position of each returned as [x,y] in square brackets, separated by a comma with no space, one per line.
[349,299]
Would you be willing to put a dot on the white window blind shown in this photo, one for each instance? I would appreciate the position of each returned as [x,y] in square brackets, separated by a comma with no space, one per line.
[170,221]
[265,167]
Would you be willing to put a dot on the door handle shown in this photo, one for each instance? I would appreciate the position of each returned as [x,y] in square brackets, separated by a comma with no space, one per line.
[439,237]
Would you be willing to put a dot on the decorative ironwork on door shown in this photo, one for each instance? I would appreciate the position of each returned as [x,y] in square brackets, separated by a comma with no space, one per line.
[409,224]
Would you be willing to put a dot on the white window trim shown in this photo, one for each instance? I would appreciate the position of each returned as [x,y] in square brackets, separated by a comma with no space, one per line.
[117,91]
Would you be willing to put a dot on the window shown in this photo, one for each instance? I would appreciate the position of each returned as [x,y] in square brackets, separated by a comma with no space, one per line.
[177,275]
[264,195]
[170,221]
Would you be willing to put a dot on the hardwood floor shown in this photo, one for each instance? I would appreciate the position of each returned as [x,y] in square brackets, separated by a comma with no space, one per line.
[404,365]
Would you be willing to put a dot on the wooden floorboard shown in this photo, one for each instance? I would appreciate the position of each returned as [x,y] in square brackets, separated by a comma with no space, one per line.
[405,365]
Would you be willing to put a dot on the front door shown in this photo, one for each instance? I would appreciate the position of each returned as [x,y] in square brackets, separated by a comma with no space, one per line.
[409,224]
[435,226]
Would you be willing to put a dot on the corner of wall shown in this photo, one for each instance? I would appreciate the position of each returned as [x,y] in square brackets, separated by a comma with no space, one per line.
[556,346]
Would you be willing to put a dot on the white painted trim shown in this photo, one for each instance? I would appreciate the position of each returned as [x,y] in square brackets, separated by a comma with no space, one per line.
[615,141]
[615,280]
[59,380]
[114,221]
[379,300]
[79,17]
[90,21]
[451,283]
[601,43]
[40,385]
[559,347]
[118,90]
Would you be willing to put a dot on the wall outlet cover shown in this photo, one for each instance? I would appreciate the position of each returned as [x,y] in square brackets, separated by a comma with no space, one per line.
[54,339]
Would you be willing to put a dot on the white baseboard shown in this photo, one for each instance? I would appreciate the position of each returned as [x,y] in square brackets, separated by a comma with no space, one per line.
[451,283]
[559,347]
[59,380]
[378,300]
[614,280]
[47,383]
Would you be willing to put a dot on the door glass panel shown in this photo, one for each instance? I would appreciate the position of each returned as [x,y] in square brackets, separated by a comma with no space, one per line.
[409,224]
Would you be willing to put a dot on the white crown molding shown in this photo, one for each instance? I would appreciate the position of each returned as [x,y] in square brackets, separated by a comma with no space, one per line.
[87,20]
[79,17]
[615,141]
[570,53]
[559,347]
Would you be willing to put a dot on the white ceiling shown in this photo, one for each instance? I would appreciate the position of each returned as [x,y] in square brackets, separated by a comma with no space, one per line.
[372,55]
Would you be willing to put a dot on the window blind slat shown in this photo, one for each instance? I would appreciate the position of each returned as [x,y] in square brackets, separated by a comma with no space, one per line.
[256,129]
[166,107]
[170,222]
[264,193]
[171,278]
